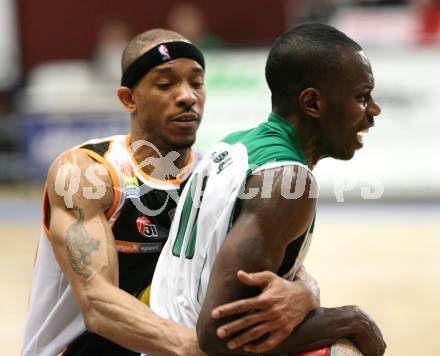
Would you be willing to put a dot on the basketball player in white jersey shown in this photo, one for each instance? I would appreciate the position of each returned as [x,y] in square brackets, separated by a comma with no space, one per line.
[250,204]
[108,206]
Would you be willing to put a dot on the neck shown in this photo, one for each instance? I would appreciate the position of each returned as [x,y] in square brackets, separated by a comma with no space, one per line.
[308,137]
[158,161]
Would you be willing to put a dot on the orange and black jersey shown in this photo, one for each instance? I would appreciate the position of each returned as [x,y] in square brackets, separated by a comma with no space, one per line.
[140,217]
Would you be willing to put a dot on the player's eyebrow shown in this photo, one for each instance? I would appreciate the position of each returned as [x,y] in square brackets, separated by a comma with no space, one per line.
[162,70]
[198,69]
[366,85]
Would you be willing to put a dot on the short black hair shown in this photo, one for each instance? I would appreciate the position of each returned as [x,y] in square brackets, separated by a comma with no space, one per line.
[305,56]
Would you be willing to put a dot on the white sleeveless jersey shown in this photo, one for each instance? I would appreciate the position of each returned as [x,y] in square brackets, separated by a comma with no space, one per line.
[54,318]
[205,213]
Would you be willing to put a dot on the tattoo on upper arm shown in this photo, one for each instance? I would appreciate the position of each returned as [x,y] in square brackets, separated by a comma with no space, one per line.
[80,245]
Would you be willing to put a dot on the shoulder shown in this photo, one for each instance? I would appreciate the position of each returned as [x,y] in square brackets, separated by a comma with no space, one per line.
[102,146]
[75,159]
[284,196]
[75,175]
[265,144]
[288,181]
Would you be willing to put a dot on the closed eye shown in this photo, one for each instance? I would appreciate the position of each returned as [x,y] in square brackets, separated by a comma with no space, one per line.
[164,86]
[197,84]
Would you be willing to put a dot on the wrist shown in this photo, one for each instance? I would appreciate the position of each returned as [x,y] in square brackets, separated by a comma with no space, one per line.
[185,341]
[310,298]
[357,319]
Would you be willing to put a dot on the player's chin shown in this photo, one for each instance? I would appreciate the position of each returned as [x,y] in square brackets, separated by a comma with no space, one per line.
[183,142]
[349,151]
[346,154]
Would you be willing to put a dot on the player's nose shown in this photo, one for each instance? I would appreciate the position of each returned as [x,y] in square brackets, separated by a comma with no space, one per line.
[186,96]
[373,108]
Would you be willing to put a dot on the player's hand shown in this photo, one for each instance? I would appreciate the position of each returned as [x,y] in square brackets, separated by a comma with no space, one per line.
[367,337]
[311,282]
[280,307]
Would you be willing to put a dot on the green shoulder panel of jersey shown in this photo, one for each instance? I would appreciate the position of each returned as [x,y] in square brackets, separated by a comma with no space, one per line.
[272,141]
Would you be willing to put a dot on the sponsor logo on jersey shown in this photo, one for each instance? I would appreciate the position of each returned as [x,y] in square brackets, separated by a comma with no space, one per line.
[220,157]
[163,50]
[222,160]
[145,227]
[131,184]
[136,247]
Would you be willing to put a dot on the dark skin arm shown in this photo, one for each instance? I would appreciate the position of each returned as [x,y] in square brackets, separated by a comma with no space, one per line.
[280,307]
[325,326]
[253,245]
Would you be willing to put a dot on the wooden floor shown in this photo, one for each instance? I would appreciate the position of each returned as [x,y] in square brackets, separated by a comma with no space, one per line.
[392,273]
[389,267]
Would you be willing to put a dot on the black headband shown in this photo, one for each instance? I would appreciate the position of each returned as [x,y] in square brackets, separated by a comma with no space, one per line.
[162,53]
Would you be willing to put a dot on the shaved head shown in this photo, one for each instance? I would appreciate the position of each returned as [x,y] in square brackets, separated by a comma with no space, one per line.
[307,55]
[145,41]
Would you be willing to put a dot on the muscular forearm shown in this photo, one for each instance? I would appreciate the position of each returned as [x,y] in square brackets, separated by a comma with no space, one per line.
[121,318]
[322,327]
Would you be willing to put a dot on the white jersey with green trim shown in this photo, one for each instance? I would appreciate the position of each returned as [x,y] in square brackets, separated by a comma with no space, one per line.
[205,213]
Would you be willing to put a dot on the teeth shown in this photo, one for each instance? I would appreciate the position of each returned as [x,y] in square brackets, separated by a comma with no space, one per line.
[360,135]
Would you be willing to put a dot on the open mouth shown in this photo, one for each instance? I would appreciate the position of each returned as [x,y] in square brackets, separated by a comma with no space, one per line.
[186,122]
[360,136]
[187,117]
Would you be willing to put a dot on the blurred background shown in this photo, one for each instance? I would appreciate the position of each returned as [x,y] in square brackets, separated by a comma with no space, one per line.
[377,237]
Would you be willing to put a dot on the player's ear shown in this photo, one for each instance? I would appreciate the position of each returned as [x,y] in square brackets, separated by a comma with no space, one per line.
[309,102]
[125,95]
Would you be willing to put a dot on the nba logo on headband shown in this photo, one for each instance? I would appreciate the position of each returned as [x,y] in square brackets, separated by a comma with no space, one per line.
[162,53]
[163,50]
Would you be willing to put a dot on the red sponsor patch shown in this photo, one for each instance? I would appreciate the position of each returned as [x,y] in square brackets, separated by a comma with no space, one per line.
[141,221]
[145,227]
